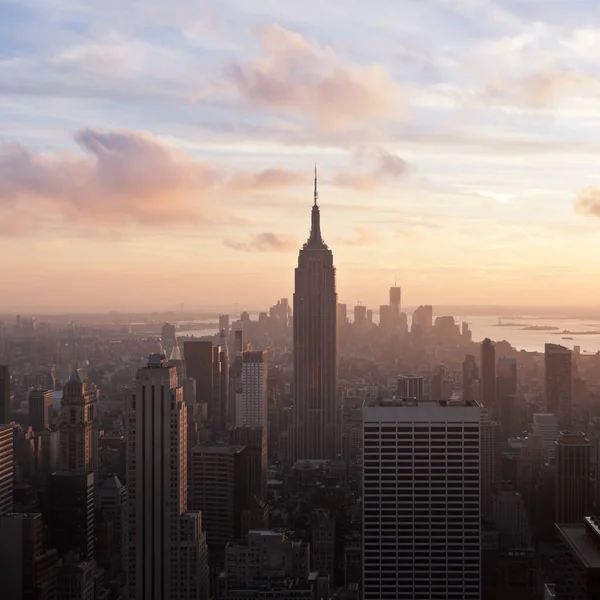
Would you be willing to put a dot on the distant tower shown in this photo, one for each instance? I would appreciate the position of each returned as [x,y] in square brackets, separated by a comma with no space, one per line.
[315,414]
[488,375]
[470,376]
[506,391]
[168,337]
[395,304]
[559,383]
[78,446]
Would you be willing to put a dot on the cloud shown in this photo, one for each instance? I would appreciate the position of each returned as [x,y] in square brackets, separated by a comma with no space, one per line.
[119,178]
[122,175]
[264,242]
[301,78]
[362,237]
[544,88]
[587,202]
[269,179]
[385,166]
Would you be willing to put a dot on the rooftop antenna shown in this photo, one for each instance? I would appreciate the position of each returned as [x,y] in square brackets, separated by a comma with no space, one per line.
[316,192]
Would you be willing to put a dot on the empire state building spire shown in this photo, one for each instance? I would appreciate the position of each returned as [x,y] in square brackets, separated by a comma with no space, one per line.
[315,427]
[315,240]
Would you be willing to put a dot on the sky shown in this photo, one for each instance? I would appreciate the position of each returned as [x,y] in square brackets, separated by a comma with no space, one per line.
[156,153]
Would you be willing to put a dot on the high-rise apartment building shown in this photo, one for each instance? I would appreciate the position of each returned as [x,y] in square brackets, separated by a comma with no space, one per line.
[6,468]
[559,383]
[421,494]
[315,415]
[28,569]
[488,375]
[40,409]
[251,403]
[78,439]
[160,532]
[5,401]
[572,478]
[410,387]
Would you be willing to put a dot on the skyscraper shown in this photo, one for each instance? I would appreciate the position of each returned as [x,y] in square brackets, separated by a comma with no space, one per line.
[342,314]
[488,375]
[360,316]
[572,487]
[5,405]
[40,407]
[28,569]
[470,374]
[6,468]
[168,337]
[395,296]
[421,499]
[410,387]
[506,390]
[198,356]
[315,429]
[251,408]
[78,446]
[559,383]
[160,532]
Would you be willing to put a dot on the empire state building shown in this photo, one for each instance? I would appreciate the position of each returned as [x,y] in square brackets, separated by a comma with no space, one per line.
[315,416]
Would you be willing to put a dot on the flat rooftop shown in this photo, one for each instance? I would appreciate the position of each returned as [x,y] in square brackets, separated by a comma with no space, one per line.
[578,539]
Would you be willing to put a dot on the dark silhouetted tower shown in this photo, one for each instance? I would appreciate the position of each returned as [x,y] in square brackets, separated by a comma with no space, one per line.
[572,487]
[559,383]
[315,429]
[395,296]
[5,407]
[470,376]
[198,356]
[488,375]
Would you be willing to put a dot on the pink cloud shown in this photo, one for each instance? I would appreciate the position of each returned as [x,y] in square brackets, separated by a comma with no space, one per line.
[587,202]
[264,242]
[120,177]
[275,178]
[384,166]
[299,77]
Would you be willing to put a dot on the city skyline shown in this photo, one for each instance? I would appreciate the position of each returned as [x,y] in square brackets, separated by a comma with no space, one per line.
[138,142]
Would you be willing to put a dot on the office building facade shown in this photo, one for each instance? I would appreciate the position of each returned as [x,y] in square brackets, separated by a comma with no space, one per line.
[421,494]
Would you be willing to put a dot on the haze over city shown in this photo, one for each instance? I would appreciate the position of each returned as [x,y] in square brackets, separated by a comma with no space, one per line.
[158,153]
